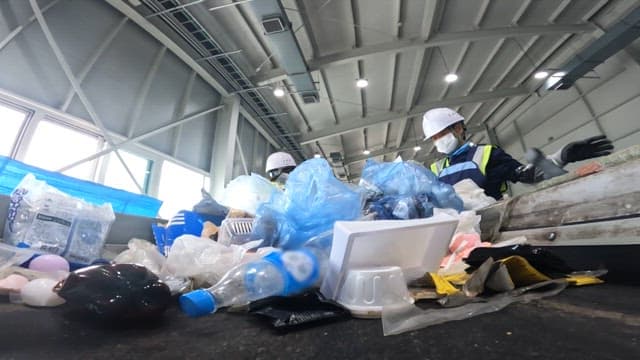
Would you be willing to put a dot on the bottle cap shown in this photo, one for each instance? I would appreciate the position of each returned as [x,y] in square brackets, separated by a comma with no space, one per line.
[197,303]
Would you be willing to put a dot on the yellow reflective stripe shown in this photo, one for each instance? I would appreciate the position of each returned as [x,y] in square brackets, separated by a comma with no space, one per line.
[486,154]
[434,168]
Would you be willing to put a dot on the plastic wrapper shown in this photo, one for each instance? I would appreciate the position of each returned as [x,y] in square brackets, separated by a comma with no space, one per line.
[11,255]
[312,202]
[465,239]
[304,310]
[48,220]
[118,292]
[202,260]
[143,253]
[247,192]
[399,319]
[472,195]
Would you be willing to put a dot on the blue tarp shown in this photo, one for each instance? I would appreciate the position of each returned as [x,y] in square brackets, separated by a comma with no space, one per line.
[124,202]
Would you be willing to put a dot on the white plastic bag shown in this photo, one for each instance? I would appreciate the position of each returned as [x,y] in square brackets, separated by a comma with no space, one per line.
[472,195]
[51,221]
[142,252]
[246,193]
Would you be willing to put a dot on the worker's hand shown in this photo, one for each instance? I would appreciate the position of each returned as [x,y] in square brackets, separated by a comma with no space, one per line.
[529,174]
[586,149]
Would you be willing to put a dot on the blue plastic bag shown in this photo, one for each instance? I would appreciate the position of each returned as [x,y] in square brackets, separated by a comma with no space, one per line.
[388,185]
[312,202]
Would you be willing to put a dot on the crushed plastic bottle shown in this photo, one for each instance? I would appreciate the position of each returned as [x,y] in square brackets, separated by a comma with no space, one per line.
[277,274]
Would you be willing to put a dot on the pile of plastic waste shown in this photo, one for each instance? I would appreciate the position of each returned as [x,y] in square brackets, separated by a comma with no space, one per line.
[260,246]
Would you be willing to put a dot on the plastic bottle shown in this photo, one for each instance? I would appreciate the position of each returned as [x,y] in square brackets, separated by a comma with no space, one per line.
[277,274]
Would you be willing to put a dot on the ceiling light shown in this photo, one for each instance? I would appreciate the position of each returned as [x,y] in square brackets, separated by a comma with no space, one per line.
[278,92]
[417,148]
[559,74]
[317,156]
[541,75]
[366,152]
[362,83]
[451,78]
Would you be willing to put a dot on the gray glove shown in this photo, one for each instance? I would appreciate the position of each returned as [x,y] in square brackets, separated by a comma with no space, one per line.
[547,167]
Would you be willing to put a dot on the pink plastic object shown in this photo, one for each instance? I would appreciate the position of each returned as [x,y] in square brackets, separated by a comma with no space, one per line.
[49,263]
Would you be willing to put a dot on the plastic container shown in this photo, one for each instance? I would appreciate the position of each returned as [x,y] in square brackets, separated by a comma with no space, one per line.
[235,231]
[367,290]
[416,246]
[277,274]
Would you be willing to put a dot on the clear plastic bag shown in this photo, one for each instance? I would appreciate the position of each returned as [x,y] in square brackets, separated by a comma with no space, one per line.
[399,319]
[46,219]
[472,195]
[144,253]
[201,259]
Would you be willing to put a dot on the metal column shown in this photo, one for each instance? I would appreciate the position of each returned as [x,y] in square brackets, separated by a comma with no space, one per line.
[224,145]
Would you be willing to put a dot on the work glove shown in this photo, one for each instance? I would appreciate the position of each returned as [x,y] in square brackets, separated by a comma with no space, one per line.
[586,149]
[529,174]
[547,167]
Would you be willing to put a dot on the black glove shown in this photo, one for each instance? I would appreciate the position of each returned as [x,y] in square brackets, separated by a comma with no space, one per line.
[586,149]
[529,174]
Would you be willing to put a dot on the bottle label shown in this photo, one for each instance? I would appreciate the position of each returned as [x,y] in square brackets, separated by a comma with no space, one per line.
[300,268]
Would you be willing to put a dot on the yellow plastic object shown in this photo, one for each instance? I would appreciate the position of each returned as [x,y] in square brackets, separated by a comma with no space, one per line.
[522,273]
[457,279]
[442,286]
[581,280]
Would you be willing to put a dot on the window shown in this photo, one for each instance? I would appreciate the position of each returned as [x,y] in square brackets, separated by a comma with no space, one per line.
[179,188]
[11,121]
[116,175]
[54,146]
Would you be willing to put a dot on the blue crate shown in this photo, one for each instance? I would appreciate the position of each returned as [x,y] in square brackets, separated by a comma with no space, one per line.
[124,202]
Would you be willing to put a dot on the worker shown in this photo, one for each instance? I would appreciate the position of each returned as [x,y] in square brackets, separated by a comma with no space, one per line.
[487,165]
[279,165]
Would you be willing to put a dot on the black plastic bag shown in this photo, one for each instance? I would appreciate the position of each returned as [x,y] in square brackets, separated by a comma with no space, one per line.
[542,259]
[304,310]
[118,292]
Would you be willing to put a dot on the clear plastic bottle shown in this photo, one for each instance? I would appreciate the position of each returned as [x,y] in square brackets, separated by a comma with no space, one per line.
[278,273]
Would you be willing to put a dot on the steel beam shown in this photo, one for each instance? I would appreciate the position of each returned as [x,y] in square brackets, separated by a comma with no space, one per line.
[359,123]
[413,44]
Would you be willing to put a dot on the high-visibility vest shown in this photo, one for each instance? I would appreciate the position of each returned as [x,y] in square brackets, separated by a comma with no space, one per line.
[474,167]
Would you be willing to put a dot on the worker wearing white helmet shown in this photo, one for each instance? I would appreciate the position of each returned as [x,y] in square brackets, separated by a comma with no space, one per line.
[279,165]
[488,165]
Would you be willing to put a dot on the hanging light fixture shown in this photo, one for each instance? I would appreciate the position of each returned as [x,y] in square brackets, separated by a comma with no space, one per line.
[278,92]
[362,83]
[317,156]
[541,75]
[451,76]
[366,152]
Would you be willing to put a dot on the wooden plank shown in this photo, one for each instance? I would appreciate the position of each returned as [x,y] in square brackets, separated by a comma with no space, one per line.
[613,232]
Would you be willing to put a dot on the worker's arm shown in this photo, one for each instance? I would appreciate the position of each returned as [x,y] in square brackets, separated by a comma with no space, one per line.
[502,167]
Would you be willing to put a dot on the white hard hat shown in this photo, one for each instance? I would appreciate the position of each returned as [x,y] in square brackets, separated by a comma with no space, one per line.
[438,119]
[279,160]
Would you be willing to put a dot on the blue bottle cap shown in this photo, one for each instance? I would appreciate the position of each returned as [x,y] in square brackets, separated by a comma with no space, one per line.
[197,303]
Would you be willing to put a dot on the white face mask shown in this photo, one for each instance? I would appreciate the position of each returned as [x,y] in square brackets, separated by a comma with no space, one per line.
[446,144]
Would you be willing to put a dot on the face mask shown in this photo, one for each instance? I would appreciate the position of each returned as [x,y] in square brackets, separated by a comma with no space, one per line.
[446,144]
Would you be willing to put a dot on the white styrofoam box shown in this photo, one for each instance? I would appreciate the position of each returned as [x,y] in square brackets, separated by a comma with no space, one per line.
[416,246]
